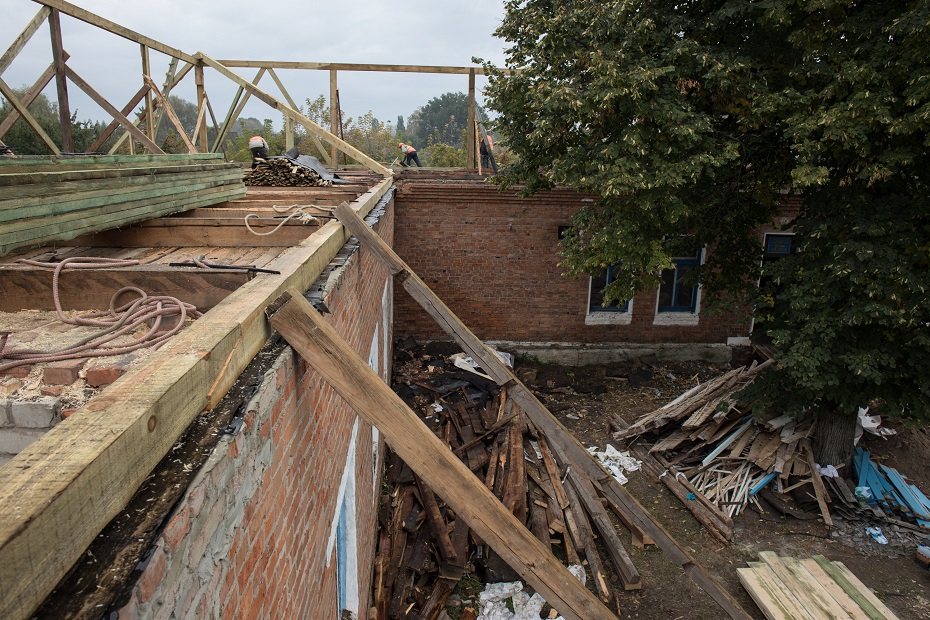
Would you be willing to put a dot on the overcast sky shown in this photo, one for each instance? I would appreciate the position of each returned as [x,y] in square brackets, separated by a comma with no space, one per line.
[361,31]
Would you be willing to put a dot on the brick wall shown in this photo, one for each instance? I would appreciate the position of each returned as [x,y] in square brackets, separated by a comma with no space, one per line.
[492,257]
[253,535]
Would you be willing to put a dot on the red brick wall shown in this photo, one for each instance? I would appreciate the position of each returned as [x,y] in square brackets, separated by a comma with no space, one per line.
[492,257]
[249,539]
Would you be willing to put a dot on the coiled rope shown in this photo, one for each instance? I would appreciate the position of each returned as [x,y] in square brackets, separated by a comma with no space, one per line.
[298,213]
[117,321]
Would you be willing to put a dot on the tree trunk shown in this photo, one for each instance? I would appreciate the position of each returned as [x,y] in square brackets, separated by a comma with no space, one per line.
[833,438]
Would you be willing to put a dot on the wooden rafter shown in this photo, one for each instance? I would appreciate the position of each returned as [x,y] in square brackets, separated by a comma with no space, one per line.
[342,66]
[95,20]
[342,368]
[106,449]
[172,80]
[290,101]
[172,115]
[20,41]
[31,95]
[235,108]
[7,92]
[61,82]
[112,111]
[312,127]
[127,109]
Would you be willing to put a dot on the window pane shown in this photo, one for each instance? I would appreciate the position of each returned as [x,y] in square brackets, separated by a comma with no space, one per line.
[598,283]
[667,289]
[684,298]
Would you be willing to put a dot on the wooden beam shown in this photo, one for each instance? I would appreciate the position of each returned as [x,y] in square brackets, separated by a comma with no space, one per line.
[31,95]
[20,41]
[149,103]
[31,288]
[319,344]
[290,101]
[312,127]
[569,450]
[235,109]
[112,111]
[202,107]
[171,80]
[107,448]
[172,115]
[58,59]
[470,144]
[95,20]
[333,112]
[30,120]
[342,66]
[127,109]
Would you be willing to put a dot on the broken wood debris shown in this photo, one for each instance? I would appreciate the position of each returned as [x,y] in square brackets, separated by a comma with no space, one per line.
[489,432]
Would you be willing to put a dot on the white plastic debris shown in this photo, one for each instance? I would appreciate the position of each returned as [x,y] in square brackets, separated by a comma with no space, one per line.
[871,424]
[877,535]
[437,407]
[616,462]
[829,471]
[492,602]
[463,361]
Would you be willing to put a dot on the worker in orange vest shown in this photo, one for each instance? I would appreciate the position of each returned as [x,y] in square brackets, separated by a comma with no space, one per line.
[410,154]
[485,148]
[259,149]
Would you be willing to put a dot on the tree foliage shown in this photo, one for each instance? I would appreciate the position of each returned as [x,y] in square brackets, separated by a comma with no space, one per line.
[24,141]
[692,120]
[441,120]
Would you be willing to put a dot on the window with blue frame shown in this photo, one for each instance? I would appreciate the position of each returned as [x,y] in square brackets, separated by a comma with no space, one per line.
[599,282]
[678,293]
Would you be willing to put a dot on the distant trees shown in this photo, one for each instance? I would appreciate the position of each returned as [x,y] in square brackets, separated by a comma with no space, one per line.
[441,121]
[24,141]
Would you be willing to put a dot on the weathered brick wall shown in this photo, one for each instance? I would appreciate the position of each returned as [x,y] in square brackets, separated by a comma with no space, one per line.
[253,535]
[492,257]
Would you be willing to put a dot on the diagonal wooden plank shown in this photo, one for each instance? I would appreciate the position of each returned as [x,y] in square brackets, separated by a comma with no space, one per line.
[569,450]
[30,120]
[290,102]
[235,109]
[95,20]
[112,111]
[31,95]
[20,41]
[127,109]
[312,127]
[172,115]
[319,344]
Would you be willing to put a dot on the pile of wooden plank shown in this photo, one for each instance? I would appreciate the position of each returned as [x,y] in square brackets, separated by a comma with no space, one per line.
[425,548]
[58,198]
[888,490]
[724,453]
[810,589]
[282,172]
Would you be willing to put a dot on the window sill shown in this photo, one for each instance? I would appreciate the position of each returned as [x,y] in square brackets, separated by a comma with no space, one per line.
[608,318]
[676,318]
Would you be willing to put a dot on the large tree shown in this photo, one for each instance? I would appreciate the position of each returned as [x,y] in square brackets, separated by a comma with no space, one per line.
[692,121]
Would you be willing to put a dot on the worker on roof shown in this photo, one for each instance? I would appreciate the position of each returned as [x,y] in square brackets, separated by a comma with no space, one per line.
[258,148]
[485,148]
[410,154]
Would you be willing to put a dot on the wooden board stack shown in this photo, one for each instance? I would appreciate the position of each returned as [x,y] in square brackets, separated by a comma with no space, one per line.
[283,173]
[424,547]
[810,589]
[58,198]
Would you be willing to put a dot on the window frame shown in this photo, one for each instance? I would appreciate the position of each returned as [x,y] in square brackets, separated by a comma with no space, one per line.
[621,314]
[675,314]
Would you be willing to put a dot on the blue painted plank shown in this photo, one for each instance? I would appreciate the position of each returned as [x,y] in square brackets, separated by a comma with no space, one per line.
[907,497]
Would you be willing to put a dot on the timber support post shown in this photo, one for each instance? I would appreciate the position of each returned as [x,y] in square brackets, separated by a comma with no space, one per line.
[64,110]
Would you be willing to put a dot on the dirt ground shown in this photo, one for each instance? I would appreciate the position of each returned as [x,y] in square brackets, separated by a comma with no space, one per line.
[584,398]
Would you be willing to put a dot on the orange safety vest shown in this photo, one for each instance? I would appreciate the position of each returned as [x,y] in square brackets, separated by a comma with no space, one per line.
[406,148]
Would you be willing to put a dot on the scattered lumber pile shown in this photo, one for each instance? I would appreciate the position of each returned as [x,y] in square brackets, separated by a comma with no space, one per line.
[425,548]
[885,492]
[717,451]
[284,172]
[810,589]
[54,199]
[717,457]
